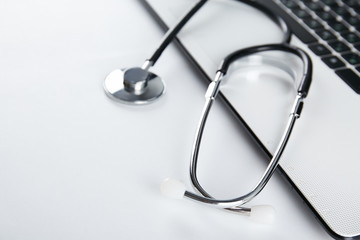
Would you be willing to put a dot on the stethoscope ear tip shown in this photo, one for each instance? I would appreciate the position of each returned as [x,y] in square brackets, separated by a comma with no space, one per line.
[263,214]
[172,188]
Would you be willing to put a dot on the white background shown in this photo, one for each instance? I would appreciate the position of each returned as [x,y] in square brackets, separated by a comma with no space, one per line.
[76,165]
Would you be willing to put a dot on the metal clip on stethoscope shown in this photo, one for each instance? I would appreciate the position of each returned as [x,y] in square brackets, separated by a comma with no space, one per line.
[139,86]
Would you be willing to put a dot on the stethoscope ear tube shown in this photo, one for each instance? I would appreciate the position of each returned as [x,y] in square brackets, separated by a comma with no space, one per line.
[171,34]
[236,204]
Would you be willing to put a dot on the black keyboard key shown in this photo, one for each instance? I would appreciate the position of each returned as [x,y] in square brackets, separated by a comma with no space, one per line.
[319,49]
[338,26]
[326,16]
[351,37]
[352,58]
[333,62]
[290,4]
[341,11]
[339,46]
[350,78]
[301,13]
[314,6]
[325,34]
[313,24]
[352,20]
[330,3]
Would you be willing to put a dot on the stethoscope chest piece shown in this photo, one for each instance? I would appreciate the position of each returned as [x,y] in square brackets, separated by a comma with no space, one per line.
[133,86]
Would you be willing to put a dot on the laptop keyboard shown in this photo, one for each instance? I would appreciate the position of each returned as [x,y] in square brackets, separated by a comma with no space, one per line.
[331,30]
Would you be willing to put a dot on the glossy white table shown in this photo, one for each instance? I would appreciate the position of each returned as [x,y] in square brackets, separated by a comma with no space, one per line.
[76,165]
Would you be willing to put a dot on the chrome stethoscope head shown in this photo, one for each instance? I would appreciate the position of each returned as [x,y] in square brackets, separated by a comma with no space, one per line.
[134,85]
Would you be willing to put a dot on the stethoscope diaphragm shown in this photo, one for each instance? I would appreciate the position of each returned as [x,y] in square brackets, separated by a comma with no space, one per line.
[133,86]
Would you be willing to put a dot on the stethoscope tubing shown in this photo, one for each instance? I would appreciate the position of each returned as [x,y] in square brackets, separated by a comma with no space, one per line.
[235,204]
[172,33]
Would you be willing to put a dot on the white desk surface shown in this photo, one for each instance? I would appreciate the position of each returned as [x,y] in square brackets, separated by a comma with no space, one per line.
[76,165]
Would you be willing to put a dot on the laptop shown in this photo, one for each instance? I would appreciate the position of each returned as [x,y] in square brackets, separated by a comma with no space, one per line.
[322,160]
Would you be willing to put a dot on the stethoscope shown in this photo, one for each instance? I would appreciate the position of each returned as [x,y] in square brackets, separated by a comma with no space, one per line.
[140,86]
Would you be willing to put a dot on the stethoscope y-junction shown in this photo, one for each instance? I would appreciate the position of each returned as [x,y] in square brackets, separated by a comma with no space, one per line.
[139,86]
